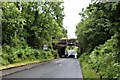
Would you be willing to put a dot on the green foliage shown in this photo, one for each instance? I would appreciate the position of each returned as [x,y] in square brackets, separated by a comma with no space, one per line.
[104,59]
[35,22]
[99,36]
[100,22]
[55,54]
[14,55]
[87,71]
[27,27]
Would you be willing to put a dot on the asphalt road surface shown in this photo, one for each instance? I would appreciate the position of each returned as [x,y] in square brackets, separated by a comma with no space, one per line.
[60,68]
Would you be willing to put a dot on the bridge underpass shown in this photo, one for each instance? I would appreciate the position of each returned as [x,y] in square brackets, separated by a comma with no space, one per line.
[63,43]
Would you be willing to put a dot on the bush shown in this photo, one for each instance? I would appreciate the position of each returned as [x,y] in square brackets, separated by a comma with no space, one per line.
[103,59]
[17,54]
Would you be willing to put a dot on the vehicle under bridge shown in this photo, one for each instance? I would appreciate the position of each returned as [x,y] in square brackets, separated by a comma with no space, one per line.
[62,45]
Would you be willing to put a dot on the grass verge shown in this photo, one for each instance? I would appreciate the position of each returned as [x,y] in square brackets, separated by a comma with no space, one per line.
[22,64]
[87,71]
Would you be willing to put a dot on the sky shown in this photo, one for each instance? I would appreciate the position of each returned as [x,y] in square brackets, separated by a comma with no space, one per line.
[72,8]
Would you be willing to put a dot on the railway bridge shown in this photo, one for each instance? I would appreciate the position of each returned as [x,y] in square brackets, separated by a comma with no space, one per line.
[63,43]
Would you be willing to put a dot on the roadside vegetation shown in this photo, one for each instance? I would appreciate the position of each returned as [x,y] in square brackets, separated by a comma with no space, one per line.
[87,71]
[27,27]
[99,36]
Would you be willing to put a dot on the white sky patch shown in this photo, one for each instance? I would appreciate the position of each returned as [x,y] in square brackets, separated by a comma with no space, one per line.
[72,8]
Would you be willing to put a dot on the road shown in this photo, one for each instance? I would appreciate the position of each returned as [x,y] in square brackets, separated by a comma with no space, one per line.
[60,68]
